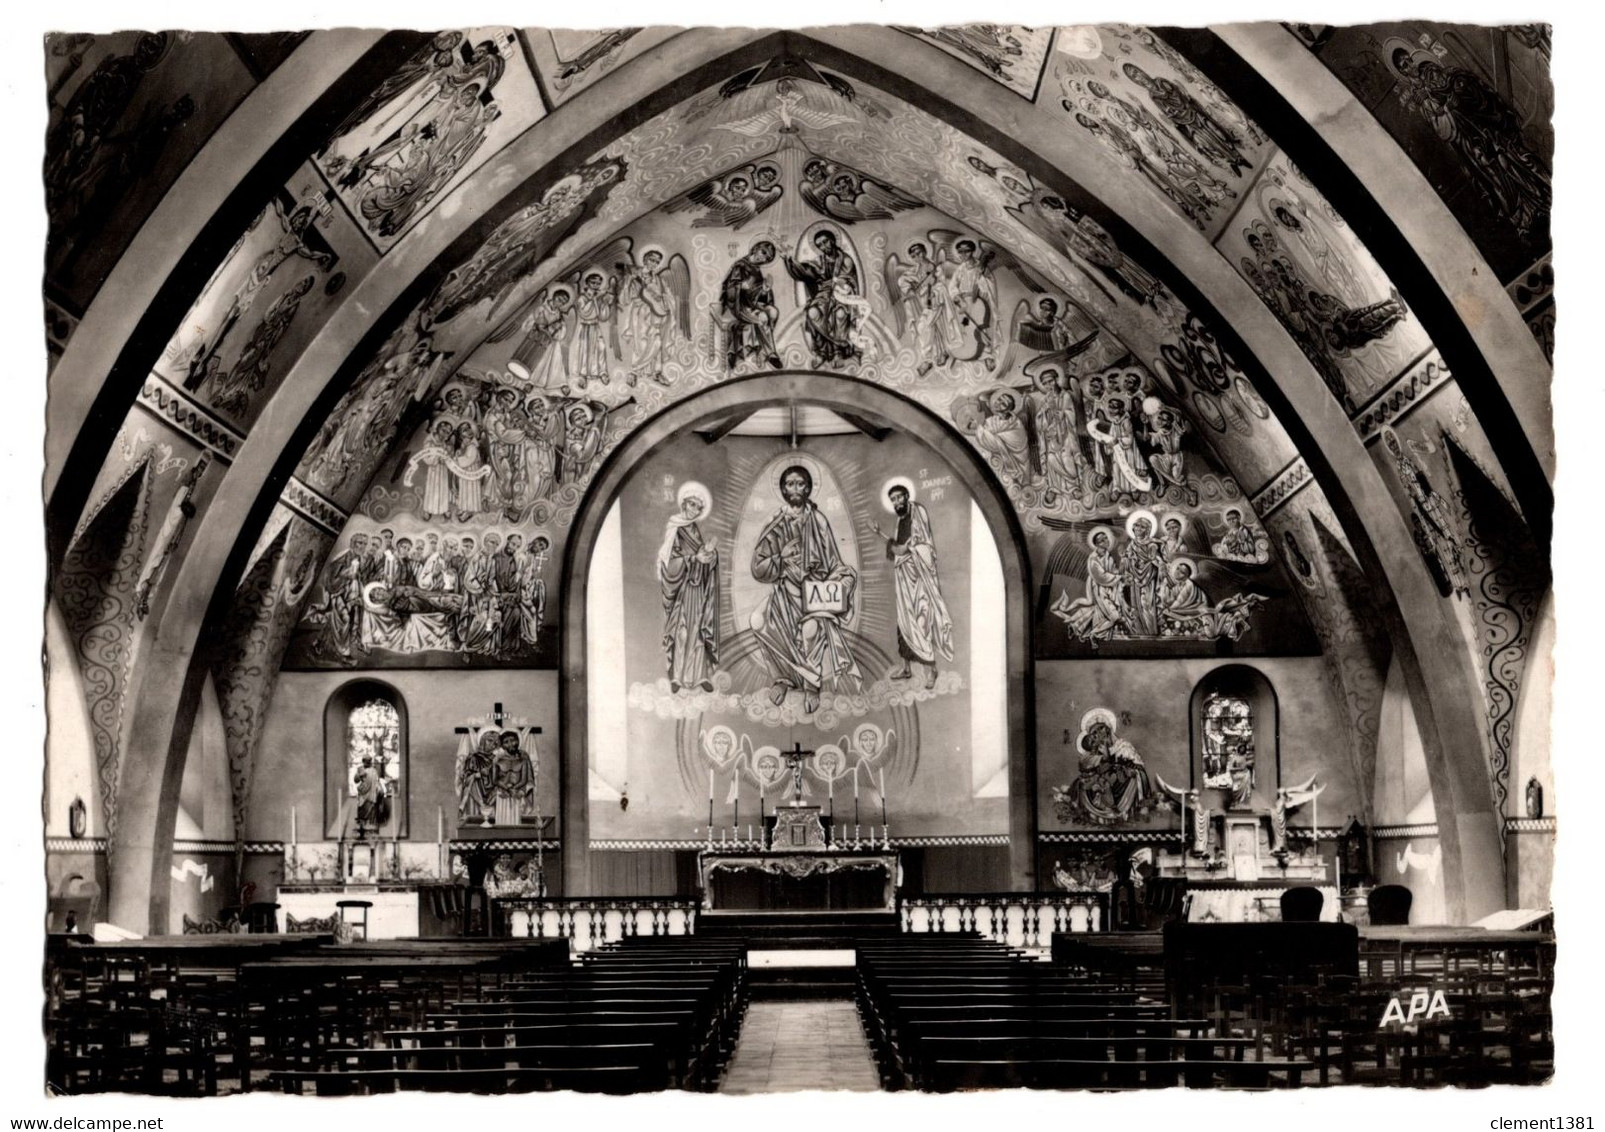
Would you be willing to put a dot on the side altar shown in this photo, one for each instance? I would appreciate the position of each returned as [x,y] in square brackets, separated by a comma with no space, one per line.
[799,861]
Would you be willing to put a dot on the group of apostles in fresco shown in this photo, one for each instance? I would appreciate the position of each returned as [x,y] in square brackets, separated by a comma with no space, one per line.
[433,593]
[499,448]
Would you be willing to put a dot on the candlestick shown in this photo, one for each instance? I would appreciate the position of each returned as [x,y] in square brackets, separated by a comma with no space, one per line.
[735,817]
[855,782]
[710,785]
[883,796]
[440,823]
[749,831]
[292,826]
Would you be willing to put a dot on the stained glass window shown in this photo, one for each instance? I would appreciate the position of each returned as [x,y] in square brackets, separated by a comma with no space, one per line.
[373,730]
[1228,744]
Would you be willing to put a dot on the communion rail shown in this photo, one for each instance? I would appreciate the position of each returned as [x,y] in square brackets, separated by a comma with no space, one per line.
[1018,919]
[589,922]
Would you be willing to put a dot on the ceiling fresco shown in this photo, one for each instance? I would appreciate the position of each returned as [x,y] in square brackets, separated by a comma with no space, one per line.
[427,127]
[785,218]
[1471,106]
[567,62]
[787,256]
[1130,93]
[125,118]
[1011,54]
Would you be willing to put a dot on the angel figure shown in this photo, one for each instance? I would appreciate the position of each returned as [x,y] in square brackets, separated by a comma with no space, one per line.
[871,746]
[1064,339]
[1190,801]
[918,306]
[731,200]
[842,193]
[655,309]
[541,356]
[1288,799]
[790,111]
[724,751]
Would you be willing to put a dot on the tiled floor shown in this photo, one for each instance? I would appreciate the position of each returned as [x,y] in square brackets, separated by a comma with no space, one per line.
[809,1044]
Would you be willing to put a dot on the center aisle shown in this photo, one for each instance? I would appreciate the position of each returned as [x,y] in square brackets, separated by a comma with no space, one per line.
[808,1044]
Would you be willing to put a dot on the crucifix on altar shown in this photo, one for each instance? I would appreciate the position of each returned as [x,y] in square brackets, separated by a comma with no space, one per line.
[796,760]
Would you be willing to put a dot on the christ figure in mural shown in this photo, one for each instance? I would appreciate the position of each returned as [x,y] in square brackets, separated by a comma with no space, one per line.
[924,628]
[801,628]
[688,568]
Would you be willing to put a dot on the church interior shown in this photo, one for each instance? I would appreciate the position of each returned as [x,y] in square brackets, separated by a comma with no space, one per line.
[1025,548]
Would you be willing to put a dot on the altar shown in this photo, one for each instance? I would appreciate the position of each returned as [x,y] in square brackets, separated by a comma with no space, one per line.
[800,861]
[839,879]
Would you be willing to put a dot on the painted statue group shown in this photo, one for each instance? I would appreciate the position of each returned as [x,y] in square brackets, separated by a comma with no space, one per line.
[801,627]
[1148,586]
[498,449]
[433,594]
[494,766]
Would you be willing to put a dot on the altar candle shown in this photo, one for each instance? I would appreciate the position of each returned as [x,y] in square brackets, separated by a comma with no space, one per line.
[883,796]
[292,825]
[440,823]
[735,818]
[749,831]
[710,784]
[855,782]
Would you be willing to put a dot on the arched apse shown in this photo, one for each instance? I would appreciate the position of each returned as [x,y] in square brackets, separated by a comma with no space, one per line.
[839,394]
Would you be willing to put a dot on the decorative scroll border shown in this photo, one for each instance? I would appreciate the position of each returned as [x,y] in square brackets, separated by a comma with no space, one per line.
[314,507]
[173,406]
[1534,285]
[1283,486]
[1399,398]
[550,846]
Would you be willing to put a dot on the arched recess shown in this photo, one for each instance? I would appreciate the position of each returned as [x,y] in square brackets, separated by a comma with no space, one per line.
[1214,747]
[836,392]
[336,773]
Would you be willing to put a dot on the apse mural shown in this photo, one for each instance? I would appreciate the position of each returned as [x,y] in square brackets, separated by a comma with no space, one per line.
[775,600]
[787,257]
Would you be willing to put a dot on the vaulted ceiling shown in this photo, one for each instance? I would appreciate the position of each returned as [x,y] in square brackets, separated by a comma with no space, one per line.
[1276,232]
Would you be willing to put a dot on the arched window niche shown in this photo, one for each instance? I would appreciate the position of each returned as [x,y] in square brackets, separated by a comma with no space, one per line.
[364,720]
[1236,739]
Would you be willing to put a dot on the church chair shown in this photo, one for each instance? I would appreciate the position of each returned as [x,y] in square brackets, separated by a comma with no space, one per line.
[1302,904]
[1389,905]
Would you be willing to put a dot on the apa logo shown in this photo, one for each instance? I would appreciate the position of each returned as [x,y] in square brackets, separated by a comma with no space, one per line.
[1422,1005]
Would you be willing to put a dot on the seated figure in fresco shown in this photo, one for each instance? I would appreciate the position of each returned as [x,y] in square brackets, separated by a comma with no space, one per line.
[802,649]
